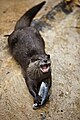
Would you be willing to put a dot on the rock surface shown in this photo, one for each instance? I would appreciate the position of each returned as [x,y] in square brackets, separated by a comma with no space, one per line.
[62,40]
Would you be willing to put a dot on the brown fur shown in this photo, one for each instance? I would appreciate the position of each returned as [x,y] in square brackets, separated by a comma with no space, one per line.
[28,48]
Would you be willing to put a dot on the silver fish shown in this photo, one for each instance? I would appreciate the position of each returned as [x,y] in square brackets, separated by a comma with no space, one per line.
[43,92]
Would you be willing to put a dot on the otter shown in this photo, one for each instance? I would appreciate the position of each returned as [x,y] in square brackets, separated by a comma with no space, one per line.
[28,49]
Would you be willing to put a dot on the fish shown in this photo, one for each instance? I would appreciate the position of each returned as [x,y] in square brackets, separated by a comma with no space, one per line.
[43,93]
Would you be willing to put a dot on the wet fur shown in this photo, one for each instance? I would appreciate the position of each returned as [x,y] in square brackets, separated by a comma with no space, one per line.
[27,46]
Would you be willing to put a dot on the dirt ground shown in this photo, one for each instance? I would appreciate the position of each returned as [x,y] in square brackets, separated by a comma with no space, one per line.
[62,38]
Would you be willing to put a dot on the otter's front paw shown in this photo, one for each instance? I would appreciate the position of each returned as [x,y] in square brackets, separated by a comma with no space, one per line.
[38,99]
[37,102]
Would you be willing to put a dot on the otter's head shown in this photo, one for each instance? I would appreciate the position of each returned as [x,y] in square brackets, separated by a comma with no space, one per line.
[43,62]
[39,66]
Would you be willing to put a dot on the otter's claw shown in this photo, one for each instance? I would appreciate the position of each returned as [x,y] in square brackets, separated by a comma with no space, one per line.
[35,106]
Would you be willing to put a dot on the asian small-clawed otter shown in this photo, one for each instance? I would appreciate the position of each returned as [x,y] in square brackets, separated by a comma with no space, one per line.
[28,48]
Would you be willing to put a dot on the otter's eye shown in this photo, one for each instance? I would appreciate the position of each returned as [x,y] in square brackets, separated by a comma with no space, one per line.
[34,59]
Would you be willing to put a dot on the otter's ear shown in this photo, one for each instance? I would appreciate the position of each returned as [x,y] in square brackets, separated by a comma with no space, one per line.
[48,56]
[26,19]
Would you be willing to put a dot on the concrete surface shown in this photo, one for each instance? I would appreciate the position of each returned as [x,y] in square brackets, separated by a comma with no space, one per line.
[62,40]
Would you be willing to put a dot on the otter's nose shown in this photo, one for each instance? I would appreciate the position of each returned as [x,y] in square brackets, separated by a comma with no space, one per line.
[45,60]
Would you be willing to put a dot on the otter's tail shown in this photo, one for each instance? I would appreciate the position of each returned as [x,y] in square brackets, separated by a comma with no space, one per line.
[26,19]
